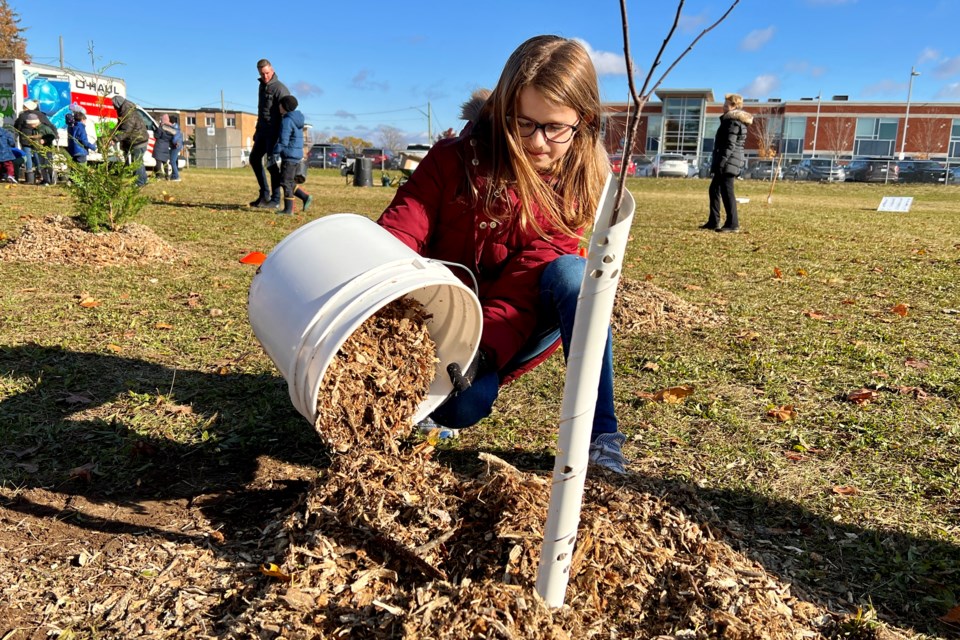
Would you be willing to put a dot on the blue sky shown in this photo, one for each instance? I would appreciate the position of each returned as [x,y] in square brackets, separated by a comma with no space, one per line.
[358,66]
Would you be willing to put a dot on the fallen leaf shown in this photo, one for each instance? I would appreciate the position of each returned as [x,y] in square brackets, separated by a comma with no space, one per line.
[815,315]
[163,325]
[650,366]
[777,273]
[673,395]
[845,490]
[692,287]
[273,571]
[801,272]
[179,409]
[217,536]
[114,347]
[880,374]
[648,277]
[952,616]
[783,413]
[89,302]
[900,310]
[77,398]
[216,313]
[913,363]
[794,456]
[84,472]
[848,301]
[862,396]
[916,392]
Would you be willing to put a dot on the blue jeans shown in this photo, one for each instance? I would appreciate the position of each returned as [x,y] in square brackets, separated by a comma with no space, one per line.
[174,169]
[136,157]
[559,290]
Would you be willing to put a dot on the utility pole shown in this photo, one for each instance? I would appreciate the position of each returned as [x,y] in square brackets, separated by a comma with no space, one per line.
[61,52]
[429,125]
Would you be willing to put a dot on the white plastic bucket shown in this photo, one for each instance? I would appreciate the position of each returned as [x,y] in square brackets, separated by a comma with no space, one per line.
[323,280]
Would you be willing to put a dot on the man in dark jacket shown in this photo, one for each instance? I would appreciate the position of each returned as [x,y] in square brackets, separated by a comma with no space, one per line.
[727,163]
[266,134]
[132,135]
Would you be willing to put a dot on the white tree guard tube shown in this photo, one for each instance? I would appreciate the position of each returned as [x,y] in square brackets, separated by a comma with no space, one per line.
[594,308]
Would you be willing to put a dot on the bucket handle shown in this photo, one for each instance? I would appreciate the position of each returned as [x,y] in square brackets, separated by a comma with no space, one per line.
[476,288]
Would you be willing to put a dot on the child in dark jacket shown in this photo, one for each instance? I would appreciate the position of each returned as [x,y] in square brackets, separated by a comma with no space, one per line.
[78,144]
[7,145]
[290,148]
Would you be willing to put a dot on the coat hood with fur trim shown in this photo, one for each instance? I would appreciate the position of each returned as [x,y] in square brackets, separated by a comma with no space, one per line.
[739,114]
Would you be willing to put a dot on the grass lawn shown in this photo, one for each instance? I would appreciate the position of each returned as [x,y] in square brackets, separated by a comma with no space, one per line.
[823,430]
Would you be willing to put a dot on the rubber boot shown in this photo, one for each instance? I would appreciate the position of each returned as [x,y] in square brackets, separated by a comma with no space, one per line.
[287,207]
[305,197]
[30,177]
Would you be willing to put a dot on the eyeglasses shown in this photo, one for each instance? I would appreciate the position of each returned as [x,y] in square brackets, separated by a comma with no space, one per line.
[552,131]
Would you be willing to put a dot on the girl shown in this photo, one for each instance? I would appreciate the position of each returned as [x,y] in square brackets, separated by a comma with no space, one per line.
[509,200]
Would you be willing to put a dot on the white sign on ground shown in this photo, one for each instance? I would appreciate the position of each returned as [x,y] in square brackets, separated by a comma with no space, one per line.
[891,203]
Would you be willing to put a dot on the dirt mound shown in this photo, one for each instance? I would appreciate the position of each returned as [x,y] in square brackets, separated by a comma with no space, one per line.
[60,240]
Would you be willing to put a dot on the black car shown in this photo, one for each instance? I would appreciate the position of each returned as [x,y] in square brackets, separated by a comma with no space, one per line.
[325,155]
[922,171]
[872,170]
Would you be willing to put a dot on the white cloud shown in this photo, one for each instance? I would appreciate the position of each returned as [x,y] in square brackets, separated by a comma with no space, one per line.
[757,38]
[928,55]
[607,63]
[884,88]
[763,86]
[303,89]
[364,80]
[949,67]
[950,91]
[689,24]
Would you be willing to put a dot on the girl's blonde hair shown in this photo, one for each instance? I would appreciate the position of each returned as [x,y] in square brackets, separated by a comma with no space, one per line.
[735,100]
[561,70]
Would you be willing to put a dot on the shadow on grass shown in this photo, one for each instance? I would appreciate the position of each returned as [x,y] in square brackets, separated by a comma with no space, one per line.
[244,420]
[909,580]
[215,206]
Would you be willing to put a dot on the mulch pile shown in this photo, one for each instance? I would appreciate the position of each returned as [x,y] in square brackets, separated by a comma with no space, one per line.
[60,239]
[642,307]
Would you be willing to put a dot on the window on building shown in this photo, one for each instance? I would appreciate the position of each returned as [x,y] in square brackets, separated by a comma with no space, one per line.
[875,136]
[192,121]
[654,131]
[709,133]
[210,120]
[231,121]
[954,150]
[794,129]
[681,125]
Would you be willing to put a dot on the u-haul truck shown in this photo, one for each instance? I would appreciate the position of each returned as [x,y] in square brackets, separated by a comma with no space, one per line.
[55,89]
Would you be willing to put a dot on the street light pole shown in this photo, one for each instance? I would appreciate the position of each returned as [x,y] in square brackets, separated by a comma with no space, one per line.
[816,125]
[913,74]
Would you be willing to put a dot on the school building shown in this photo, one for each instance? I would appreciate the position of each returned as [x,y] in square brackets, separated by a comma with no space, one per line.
[686,120]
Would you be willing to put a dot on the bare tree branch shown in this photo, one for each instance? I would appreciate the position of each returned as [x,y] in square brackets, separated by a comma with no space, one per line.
[640,99]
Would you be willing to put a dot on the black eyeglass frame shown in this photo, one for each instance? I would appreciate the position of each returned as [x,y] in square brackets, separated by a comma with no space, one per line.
[572,128]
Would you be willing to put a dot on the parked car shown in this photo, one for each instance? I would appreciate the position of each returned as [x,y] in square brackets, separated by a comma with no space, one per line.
[382,159]
[821,169]
[762,169]
[922,171]
[872,170]
[669,165]
[616,160]
[953,176]
[325,155]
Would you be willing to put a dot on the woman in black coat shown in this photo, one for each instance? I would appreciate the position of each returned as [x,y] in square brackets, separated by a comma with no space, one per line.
[727,163]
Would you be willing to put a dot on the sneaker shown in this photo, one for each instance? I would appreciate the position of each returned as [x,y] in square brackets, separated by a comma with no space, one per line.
[307,202]
[175,180]
[728,230]
[606,451]
[11,180]
[428,427]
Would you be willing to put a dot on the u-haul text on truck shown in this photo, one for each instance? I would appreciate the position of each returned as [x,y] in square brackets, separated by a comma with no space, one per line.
[56,89]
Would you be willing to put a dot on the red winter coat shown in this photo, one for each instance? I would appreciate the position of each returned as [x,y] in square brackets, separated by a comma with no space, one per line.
[432,215]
